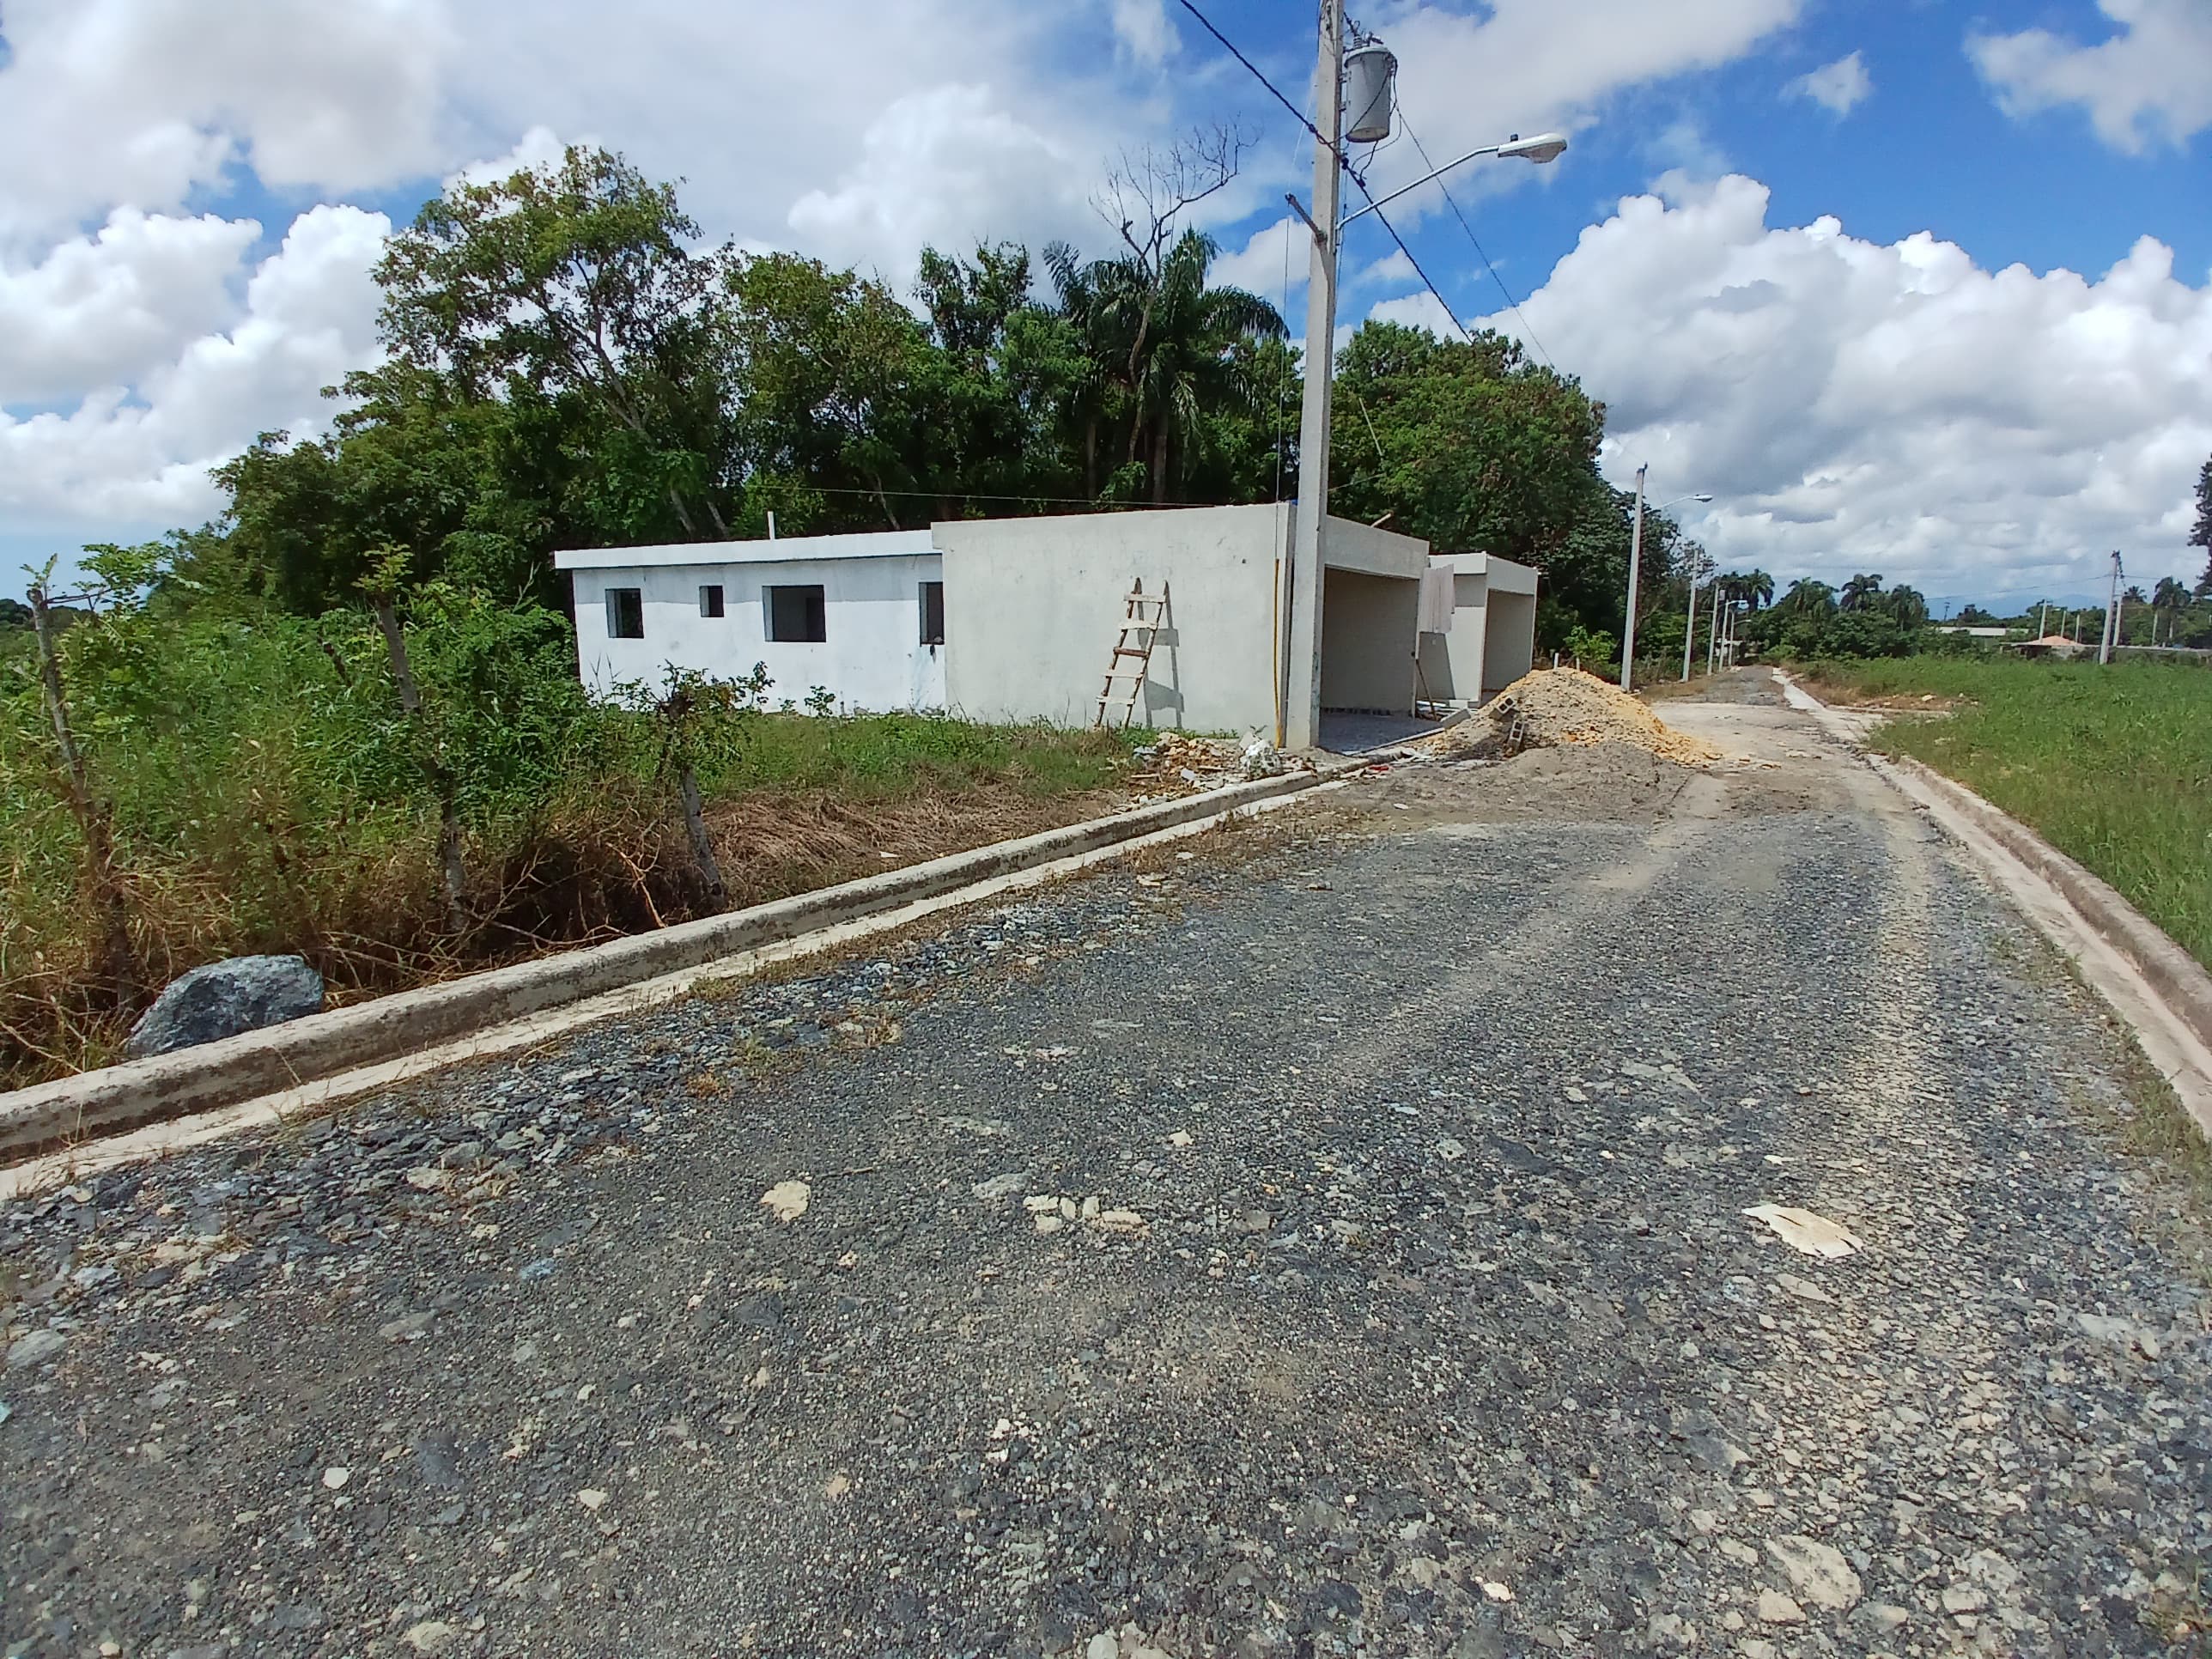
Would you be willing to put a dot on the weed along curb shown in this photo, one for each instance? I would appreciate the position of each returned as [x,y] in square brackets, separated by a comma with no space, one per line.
[2155,986]
[245,1067]
[2173,971]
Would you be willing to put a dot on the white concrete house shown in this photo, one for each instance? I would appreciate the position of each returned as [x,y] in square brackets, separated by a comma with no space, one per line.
[1015,618]
[861,616]
[1492,639]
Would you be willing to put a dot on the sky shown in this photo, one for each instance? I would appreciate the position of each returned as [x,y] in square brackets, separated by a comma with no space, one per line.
[1912,287]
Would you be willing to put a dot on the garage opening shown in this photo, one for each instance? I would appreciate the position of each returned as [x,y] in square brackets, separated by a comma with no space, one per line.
[1368,631]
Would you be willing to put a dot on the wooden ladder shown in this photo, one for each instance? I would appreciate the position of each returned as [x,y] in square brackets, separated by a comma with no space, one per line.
[1143,616]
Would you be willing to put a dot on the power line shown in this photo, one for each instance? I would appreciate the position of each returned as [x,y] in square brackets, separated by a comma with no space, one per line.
[1449,312]
[1230,48]
[1350,172]
[1511,304]
[979,495]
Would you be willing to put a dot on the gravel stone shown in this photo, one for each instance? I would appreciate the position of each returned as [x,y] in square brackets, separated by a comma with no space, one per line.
[1326,1391]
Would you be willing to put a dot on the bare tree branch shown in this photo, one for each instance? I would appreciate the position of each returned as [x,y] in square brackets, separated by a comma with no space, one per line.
[1150,191]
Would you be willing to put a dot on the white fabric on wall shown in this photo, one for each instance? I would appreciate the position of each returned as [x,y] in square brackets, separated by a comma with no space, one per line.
[1437,600]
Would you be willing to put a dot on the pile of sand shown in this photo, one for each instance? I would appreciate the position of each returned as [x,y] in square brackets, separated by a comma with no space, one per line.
[1562,706]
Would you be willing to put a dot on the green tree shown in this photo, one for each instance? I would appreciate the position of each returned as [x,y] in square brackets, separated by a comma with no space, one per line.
[1164,342]
[1471,446]
[578,281]
[1860,593]
[1808,598]
[2201,535]
[825,366]
[1906,607]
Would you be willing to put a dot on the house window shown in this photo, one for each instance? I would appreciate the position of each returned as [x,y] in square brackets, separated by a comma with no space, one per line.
[797,615]
[932,613]
[710,599]
[625,613]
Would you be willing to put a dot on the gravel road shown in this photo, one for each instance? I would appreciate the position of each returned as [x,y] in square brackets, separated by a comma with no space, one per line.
[1331,1242]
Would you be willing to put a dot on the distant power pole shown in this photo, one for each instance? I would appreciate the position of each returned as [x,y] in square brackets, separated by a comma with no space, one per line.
[2111,639]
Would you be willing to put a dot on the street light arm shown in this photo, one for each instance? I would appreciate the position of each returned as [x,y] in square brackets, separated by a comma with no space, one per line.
[1544,147]
[1385,201]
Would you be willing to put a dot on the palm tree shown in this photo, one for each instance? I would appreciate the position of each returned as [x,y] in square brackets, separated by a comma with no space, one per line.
[1161,351]
[1906,604]
[1859,591]
[2168,599]
[1808,598]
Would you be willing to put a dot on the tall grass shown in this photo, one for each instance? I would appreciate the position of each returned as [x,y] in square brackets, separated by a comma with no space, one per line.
[267,794]
[2112,765]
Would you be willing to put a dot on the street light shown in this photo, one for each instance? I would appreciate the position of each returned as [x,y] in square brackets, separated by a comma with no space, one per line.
[1635,574]
[1299,726]
[1690,621]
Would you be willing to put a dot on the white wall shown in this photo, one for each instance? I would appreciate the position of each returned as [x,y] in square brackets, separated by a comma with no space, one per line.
[871,658]
[1451,663]
[1033,606]
[1511,648]
[1492,640]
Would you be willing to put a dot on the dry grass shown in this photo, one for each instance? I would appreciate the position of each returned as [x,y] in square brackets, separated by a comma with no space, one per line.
[841,799]
[777,843]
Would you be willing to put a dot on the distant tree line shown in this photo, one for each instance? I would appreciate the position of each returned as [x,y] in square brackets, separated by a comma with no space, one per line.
[566,365]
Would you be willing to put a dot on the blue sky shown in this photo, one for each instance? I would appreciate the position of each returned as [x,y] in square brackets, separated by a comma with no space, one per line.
[187,266]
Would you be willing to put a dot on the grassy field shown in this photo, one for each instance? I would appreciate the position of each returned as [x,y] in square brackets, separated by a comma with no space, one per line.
[2112,766]
[288,823]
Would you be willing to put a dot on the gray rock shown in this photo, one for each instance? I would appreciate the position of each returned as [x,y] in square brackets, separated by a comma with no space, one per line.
[223,999]
[1817,1572]
[39,1346]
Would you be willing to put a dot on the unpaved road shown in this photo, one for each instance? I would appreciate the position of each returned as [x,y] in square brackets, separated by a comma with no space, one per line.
[1434,1324]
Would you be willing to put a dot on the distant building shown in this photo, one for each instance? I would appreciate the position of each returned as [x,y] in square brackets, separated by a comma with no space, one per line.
[2051,645]
[1017,618]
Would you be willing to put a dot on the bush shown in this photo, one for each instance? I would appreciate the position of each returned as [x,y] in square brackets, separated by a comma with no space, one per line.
[268,793]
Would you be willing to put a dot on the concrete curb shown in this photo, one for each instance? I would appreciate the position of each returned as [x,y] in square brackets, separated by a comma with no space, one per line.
[2163,992]
[2176,975]
[197,1080]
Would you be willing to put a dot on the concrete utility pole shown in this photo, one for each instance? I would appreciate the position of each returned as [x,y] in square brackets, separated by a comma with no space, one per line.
[1690,629]
[1635,573]
[2112,635]
[1302,665]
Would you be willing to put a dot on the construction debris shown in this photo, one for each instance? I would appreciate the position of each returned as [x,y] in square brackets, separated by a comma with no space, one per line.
[1184,764]
[1554,706]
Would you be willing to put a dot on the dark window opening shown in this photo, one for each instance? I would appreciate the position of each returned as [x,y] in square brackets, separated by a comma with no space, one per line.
[625,613]
[797,615]
[710,599]
[932,613]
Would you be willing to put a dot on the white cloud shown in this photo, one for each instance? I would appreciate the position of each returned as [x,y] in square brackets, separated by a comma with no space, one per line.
[1272,264]
[109,307]
[539,147]
[1840,87]
[1686,155]
[1142,29]
[860,124]
[942,167]
[1863,407]
[1529,65]
[144,101]
[2150,84]
[137,454]
[1421,310]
